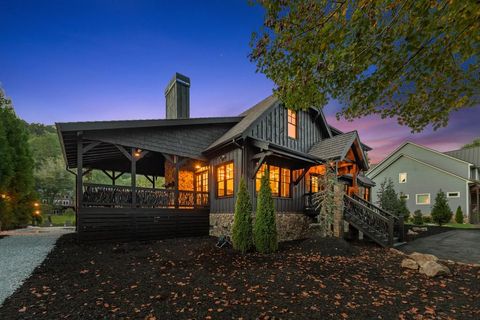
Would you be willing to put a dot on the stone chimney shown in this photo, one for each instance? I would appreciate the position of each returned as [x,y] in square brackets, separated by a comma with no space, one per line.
[177,95]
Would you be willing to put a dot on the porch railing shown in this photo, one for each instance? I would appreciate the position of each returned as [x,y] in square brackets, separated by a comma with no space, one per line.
[99,195]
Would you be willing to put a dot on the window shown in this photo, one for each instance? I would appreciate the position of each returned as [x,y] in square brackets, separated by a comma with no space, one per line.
[292,124]
[402,177]
[404,196]
[280,179]
[455,194]
[225,180]
[422,198]
[314,183]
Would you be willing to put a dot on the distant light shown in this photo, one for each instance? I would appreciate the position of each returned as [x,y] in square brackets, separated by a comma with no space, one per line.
[3,196]
[36,204]
[37,212]
[198,166]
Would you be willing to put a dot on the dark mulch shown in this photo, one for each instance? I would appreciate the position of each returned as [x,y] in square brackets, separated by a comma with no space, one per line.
[190,278]
[431,230]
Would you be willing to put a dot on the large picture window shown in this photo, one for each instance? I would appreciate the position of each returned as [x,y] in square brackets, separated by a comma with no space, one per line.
[292,124]
[280,180]
[225,180]
[422,198]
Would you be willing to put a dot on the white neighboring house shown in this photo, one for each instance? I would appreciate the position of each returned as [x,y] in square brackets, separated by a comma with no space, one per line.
[418,173]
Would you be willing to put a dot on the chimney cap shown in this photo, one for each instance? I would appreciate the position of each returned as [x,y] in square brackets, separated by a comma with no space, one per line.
[177,77]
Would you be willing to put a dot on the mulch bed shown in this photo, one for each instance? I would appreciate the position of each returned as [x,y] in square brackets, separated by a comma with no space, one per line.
[192,279]
[431,230]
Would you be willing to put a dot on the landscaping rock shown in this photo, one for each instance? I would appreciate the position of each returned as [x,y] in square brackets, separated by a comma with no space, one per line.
[419,229]
[396,251]
[409,264]
[422,258]
[411,233]
[433,269]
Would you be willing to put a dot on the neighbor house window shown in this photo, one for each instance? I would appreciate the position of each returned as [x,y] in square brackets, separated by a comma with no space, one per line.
[422,198]
[292,124]
[404,196]
[402,177]
[453,194]
[225,180]
[280,179]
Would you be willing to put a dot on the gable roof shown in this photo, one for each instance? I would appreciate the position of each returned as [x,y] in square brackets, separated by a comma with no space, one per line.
[335,147]
[471,155]
[249,117]
[379,166]
[419,161]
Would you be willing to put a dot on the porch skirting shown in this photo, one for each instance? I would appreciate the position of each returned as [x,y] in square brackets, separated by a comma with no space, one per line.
[290,225]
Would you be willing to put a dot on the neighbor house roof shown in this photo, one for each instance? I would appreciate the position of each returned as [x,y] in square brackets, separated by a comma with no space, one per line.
[471,155]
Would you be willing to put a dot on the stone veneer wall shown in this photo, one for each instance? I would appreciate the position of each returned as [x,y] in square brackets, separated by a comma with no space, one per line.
[290,225]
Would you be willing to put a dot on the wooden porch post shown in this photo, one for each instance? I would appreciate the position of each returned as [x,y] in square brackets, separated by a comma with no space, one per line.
[476,219]
[79,182]
[175,176]
[133,177]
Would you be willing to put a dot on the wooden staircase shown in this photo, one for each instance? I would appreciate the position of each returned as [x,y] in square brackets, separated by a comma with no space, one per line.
[381,226]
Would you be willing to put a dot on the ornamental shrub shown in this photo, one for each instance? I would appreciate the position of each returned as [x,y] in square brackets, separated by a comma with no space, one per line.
[417,217]
[265,228]
[459,215]
[242,220]
[441,212]
[427,219]
[402,208]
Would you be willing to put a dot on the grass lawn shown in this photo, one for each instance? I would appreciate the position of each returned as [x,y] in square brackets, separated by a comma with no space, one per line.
[59,220]
[460,225]
[190,278]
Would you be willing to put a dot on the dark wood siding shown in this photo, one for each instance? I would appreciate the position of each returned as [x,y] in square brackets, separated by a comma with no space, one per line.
[140,224]
[225,205]
[272,127]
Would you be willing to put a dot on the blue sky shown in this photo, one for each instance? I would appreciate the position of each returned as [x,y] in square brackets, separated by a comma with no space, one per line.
[101,60]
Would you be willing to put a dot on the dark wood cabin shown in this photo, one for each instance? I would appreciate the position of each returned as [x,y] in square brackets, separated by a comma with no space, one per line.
[202,161]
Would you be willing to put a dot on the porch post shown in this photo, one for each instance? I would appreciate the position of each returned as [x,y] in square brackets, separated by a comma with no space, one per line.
[79,182]
[113,177]
[133,177]
[476,219]
[175,176]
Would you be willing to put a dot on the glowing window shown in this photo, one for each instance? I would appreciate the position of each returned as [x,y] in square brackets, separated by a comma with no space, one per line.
[402,177]
[280,179]
[225,184]
[422,198]
[292,124]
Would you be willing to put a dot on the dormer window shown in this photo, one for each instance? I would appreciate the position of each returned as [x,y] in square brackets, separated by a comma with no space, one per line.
[292,124]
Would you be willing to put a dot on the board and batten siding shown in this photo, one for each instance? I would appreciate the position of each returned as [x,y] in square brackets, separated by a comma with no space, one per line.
[226,204]
[272,127]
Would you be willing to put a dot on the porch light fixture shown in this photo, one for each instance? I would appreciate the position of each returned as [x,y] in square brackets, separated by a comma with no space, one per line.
[36,204]
[3,196]
[137,153]
[37,212]
[197,166]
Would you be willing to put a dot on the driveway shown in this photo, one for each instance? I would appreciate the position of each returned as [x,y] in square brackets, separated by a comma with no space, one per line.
[456,245]
[21,252]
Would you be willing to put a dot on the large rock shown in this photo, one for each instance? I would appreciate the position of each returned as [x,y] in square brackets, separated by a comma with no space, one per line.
[433,269]
[419,229]
[409,264]
[422,258]
[411,232]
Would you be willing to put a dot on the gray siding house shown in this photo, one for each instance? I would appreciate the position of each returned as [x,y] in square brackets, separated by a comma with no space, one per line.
[418,173]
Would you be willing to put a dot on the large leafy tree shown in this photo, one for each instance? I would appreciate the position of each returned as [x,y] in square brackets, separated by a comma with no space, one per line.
[19,186]
[416,60]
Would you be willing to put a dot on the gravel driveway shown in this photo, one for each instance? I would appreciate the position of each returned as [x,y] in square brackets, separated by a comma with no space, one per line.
[21,252]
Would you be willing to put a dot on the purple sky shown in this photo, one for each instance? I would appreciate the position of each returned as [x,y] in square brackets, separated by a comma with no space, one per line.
[102,60]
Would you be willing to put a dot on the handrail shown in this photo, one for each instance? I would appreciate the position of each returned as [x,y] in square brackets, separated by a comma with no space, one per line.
[382,217]
[374,207]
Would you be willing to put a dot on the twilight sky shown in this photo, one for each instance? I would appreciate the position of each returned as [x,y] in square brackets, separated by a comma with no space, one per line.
[101,60]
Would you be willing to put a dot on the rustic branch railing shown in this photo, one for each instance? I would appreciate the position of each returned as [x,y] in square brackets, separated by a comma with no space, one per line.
[398,221]
[374,224]
[99,195]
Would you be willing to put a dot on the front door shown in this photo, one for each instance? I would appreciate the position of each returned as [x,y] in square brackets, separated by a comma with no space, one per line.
[201,188]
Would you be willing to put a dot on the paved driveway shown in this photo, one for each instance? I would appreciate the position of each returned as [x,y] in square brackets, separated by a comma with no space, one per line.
[21,252]
[456,245]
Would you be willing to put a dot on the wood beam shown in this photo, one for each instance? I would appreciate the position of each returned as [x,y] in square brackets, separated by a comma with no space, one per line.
[87,171]
[91,146]
[259,164]
[301,176]
[133,178]
[125,152]
[79,182]
[262,154]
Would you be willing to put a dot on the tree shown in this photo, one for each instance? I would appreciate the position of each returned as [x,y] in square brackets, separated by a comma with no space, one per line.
[52,179]
[242,220]
[413,60]
[326,203]
[265,228]
[402,208]
[387,197]
[417,217]
[459,215]
[18,185]
[441,212]
[473,144]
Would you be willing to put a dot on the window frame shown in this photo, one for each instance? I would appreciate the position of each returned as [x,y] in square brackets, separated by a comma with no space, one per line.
[423,194]
[317,176]
[217,167]
[294,124]
[399,177]
[280,181]
[457,196]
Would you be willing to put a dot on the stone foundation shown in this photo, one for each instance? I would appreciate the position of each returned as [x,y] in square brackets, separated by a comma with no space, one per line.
[290,226]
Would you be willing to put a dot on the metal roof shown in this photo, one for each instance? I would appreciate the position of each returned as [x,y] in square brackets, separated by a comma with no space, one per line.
[471,155]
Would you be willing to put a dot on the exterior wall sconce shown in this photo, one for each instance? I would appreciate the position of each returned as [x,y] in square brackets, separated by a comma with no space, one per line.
[137,153]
